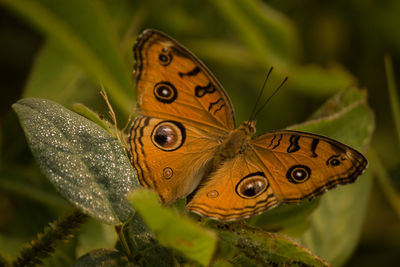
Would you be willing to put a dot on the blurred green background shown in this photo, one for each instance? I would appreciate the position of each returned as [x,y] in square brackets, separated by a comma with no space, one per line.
[61,51]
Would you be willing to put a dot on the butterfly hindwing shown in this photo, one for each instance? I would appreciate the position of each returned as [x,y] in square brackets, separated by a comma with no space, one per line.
[238,188]
[283,166]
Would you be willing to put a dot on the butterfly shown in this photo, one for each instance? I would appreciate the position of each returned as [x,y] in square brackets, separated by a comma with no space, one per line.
[185,142]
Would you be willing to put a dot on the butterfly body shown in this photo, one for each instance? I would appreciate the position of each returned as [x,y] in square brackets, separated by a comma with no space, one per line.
[185,142]
[236,142]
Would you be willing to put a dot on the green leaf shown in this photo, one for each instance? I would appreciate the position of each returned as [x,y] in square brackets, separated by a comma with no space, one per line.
[95,234]
[82,30]
[87,166]
[337,222]
[172,230]
[346,117]
[260,248]
[145,246]
[103,257]
[314,81]
[221,263]
[292,220]
[339,103]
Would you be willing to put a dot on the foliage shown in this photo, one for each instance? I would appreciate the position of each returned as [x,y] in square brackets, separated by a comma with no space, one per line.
[88,43]
[97,176]
[83,161]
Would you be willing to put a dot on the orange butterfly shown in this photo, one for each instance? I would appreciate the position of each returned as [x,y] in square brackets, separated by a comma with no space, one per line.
[185,141]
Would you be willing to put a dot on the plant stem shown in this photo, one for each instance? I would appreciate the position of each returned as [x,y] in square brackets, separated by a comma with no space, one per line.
[44,245]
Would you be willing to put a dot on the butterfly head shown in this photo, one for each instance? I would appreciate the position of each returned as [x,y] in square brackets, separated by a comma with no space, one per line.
[249,127]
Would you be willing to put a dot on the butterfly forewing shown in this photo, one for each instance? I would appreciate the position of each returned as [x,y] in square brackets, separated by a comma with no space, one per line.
[184,115]
[174,84]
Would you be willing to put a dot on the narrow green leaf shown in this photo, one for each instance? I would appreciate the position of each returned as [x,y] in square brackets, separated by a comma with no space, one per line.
[269,35]
[337,222]
[224,52]
[93,116]
[12,185]
[82,30]
[86,165]
[272,40]
[260,248]
[172,230]
[383,178]
[393,95]
[277,29]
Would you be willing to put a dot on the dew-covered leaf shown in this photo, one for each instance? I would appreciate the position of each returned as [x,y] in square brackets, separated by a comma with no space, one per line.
[103,257]
[86,165]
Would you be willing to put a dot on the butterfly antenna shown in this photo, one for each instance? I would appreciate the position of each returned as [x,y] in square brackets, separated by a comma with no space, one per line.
[252,115]
[269,98]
